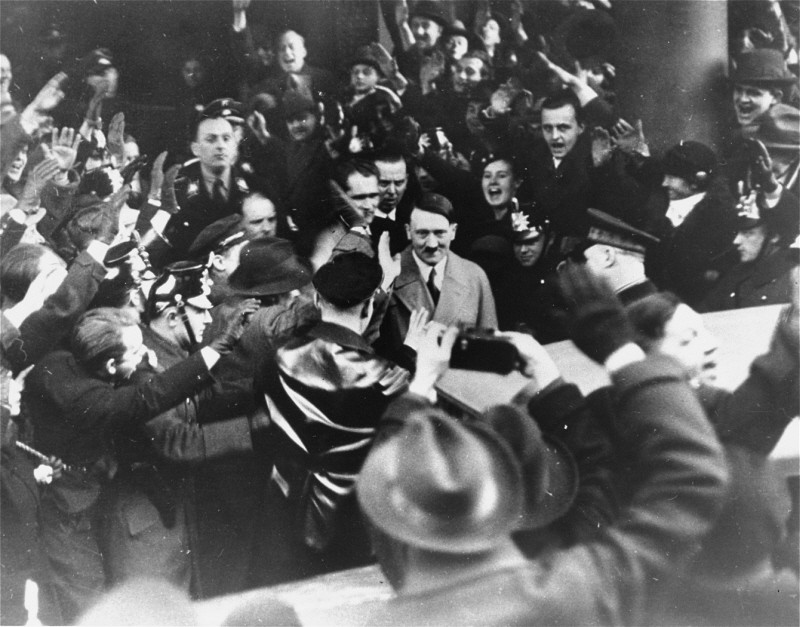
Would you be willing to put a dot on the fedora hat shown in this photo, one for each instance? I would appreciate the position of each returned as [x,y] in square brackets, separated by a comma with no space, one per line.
[762,66]
[457,29]
[441,485]
[267,267]
[780,129]
[549,471]
[430,10]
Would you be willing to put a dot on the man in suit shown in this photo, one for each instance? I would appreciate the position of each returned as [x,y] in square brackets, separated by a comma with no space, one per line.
[452,289]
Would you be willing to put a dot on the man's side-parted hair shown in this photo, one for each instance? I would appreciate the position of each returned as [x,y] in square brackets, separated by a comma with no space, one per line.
[354,166]
[97,336]
[563,98]
[19,268]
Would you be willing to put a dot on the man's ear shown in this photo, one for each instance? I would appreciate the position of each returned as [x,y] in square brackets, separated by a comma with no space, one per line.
[195,149]
[453,228]
[215,261]
[610,256]
[111,367]
[777,94]
[172,318]
[316,300]
[408,230]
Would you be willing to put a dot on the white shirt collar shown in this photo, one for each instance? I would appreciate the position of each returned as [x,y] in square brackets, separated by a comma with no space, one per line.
[425,270]
[680,209]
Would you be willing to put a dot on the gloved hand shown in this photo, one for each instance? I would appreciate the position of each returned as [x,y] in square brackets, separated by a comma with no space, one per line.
[596,319]
[169,201]
[234,327]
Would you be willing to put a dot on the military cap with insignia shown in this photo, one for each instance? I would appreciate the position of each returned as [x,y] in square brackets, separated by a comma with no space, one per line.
[690,160]
[218,237]
[610,231]
[181,283]
[228,108]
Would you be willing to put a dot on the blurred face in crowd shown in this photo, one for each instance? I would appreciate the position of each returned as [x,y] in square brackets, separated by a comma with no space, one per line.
[687,340]
[291,52]
[529,251]
[110,78]
[193,73]
[258,216]
[490,32]
[363,78]
[561,130]
[18,165]
[302,125]
[472,117]
[5,74]
[678,187]
[468,72]
[456,46]
[750,102]
[392,183]
[750,242]
[499,183]
[130,151]
[133,344]
[215,145]
[431,235]
[197,319]
[364,192]
[426,32]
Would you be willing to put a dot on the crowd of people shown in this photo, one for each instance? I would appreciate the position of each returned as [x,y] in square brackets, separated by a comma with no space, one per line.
[219,364]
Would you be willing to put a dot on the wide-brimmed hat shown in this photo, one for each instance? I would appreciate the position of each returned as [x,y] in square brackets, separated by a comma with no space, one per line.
[268,266]
[442,485]
[762,66]
[549,471]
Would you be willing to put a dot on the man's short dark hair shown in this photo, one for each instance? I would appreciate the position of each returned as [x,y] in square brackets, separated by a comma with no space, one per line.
[389,155]
[563,98]
[650,316]
[97,336]
[354,166]
[438,204]
[19,268]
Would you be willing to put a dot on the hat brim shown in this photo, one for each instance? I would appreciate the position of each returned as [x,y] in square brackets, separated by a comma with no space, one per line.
[385,506]
[559,491]
[200,302]
[440,20]
[295,276]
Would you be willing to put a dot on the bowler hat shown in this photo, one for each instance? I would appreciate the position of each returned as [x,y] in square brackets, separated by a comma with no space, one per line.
[440,484]
[457,29]
[549,471]
[348,279]
[762,66]
[430,10]
[611,231]
[269,266]
[217,237]
[182,282]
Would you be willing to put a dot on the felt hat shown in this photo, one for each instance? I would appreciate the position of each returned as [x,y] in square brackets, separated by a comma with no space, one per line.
[268,266]
[457,29]
[690,160]
[366,56]
[442,485]
[431,10]
[779,129]
[762,66]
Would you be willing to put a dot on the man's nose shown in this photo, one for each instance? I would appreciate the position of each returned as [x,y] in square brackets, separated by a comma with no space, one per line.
[431,241]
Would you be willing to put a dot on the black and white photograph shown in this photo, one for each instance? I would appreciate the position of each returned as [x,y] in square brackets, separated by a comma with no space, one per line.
[400,312]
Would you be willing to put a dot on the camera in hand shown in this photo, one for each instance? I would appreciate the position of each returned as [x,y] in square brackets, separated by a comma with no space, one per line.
[481,349]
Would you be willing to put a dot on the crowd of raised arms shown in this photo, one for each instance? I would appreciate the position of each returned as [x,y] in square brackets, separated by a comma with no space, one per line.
[220,361]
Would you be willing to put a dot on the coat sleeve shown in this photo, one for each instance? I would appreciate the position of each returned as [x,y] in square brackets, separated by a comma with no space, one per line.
[44,330]
[680,477]
[181,441]
[487,312]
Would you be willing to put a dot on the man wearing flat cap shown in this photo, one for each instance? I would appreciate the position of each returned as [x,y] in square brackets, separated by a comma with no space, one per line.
[150,528]
[325,391]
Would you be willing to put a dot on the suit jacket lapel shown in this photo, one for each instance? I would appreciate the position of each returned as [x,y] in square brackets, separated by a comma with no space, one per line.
[455,292]
[409,286]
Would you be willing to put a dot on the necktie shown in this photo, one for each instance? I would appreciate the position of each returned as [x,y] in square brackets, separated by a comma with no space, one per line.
[432,287]
[218,193]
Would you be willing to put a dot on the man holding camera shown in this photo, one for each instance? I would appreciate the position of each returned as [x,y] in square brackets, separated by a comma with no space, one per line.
[452,289]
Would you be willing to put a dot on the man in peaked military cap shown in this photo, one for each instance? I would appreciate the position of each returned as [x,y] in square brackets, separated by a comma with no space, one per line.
[218,246]
[615,251]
